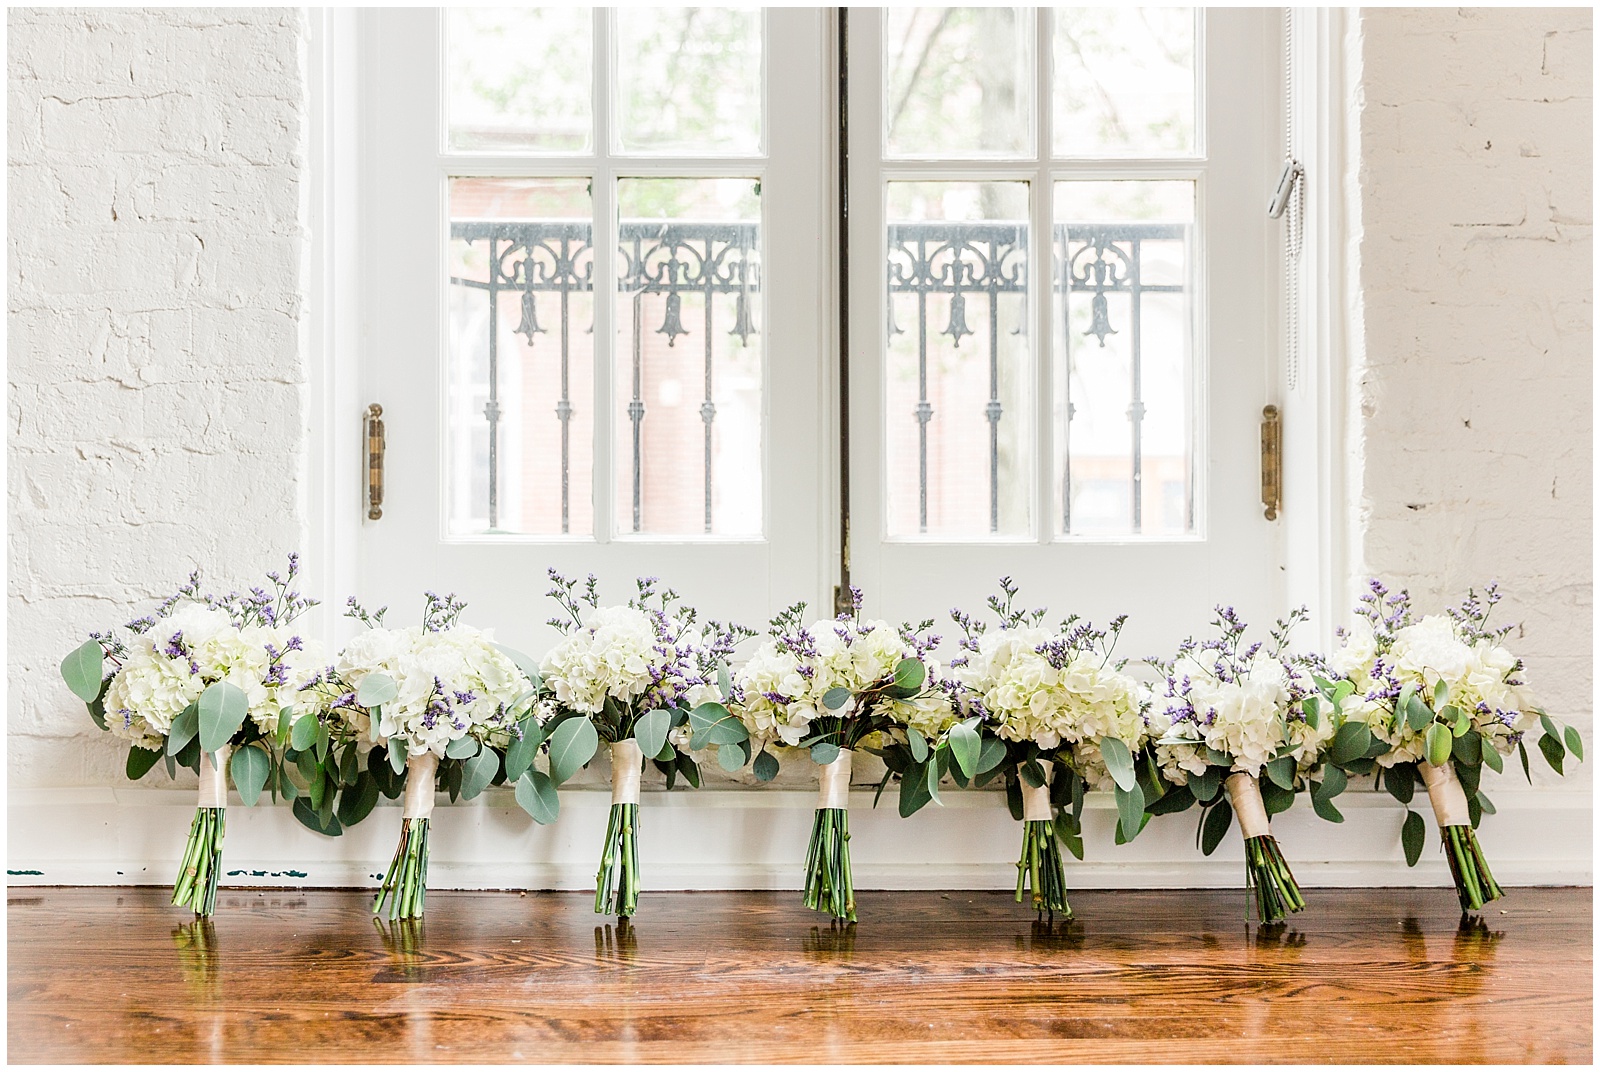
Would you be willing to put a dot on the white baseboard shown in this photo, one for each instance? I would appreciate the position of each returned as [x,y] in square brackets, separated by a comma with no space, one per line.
[744,839]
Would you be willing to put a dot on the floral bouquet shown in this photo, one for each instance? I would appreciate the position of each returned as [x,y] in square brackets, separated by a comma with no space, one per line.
[646,679]
[440,703]
[1237,713]
[206,683]
[1054,713]
[1433,700]
[834,687]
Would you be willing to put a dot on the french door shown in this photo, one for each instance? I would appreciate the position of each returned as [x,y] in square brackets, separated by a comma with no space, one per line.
[671,424]
[599,308]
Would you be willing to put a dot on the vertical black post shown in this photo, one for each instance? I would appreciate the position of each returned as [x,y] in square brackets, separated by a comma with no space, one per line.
[841,594]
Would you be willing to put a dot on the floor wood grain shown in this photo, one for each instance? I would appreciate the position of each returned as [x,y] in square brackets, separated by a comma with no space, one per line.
[1362,976]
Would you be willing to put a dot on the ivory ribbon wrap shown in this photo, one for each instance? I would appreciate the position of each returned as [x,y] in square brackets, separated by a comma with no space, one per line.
[1244,793]
[1449,800]
[626,763]
[1036,800]
[420,773]
[833,782]
[214,779]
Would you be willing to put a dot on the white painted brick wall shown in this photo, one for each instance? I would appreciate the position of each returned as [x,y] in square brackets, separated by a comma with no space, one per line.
[156,239]
[1473,399]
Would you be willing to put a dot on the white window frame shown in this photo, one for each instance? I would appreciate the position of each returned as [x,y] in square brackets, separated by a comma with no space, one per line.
[1167,584]
[1317,514]
[404,227]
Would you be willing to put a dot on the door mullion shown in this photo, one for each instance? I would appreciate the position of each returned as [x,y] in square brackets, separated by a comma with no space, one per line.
[603,186]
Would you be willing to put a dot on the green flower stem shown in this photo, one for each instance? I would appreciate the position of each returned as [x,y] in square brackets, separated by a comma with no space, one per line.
[1475,886]
[1040,869]
[616,884]
[405,887]
[830,886]
[196,887]
[1269,879]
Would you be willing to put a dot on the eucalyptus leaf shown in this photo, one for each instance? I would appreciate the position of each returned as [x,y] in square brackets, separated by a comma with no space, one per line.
[1400,782]
[966,748]
[536,794]
[1574,744]
[1206,786]
[1069,833]
[285,724]
[1214,826]
[250,767]
[910,674]
[478,771]
[572,744]
[931,773]
[140,760]
[913,792]
[1176,799]
[836,697]
[1350,741]
[376,690]
[651,729]
[1412,833]
[992,755]
[1554,751]
[1310,708]
[731,757]
[82,670]
[520,753]
[1119,762]
[713,724]
[765,766]
[357,802]
[1484,803]
[397,754]
[1491,755]
[1323,806]
[309,816]
[1130,809]
[303,734]
[529,668]
[1280,772]
[1441,694]
[824,752]
[223,709]
[1417,714]
[184,728]
[1333,783]
[462,748]
[917,743]
[1438,744]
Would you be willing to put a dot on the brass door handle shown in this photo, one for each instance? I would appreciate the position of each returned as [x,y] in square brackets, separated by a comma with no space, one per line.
[373,420]
[1271,461]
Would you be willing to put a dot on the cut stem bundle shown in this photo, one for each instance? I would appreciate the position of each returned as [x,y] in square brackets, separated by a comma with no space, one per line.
[405,887]
[1273,889]
[829,886]
[1040,870]
[1475,886]
[616,884]
[196,887]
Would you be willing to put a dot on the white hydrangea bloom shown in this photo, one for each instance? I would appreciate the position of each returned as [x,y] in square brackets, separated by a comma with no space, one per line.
[783,691]
[452,683]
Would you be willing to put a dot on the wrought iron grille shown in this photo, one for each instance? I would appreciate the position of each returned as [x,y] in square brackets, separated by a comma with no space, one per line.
[539,257]
[535,258]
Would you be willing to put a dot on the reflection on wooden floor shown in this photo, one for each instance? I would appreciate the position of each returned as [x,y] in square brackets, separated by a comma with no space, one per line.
[117,975]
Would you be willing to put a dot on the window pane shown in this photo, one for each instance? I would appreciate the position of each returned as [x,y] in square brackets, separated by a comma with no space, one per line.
[689,80]
[958,373]
[688,418]
[520,425]
[519,78]
[958,81]
[1124,328]
[1124,81]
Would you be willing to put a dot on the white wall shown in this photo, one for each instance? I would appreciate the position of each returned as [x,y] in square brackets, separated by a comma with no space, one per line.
[156,407]
[1471,384]
[157,369]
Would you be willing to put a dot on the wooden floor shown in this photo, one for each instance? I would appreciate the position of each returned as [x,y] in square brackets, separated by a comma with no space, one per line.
[117,975]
